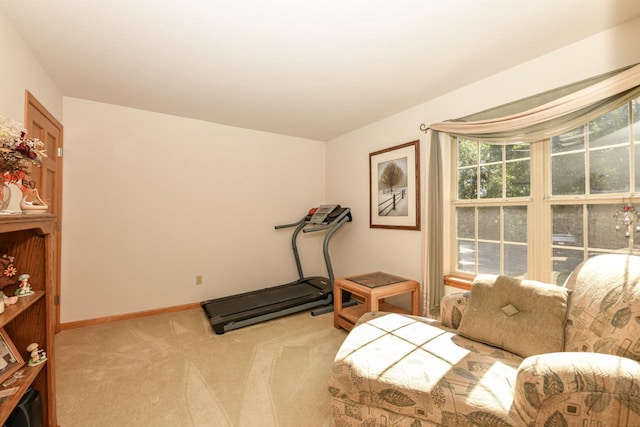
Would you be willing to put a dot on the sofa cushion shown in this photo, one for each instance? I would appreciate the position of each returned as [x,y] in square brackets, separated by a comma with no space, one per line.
[521,316]
[452,308]
[583,389]
[604,312]
[414,367]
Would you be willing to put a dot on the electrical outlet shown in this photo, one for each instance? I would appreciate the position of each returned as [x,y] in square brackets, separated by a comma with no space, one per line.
[198,280]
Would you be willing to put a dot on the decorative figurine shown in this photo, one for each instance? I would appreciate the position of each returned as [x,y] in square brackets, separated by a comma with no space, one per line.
[37,356]
[25,288]
[31,202]
[10,300]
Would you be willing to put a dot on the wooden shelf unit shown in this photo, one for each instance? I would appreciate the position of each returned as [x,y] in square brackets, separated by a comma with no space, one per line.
[28,238]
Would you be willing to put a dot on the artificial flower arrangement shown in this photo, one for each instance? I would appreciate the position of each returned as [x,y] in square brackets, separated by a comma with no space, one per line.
[8,271]
[17,153]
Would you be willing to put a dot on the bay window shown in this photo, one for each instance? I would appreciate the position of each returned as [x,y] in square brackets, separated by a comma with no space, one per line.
[536,209]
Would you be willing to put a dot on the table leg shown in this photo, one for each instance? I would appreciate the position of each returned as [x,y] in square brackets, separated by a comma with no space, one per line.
[415,302]
[337,305]
[373,304]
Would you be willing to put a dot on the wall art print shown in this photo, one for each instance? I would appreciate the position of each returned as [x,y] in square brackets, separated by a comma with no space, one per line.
[394,182]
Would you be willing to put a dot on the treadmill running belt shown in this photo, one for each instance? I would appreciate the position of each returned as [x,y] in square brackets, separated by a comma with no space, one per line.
[262,298]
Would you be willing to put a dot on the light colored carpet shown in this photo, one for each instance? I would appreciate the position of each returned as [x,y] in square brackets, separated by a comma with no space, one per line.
[173,370]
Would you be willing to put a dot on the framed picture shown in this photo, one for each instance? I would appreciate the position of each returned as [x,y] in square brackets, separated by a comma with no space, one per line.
[10,360]
[394,183]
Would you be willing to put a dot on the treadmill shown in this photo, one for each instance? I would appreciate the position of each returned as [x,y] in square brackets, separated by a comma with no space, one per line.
[237,311]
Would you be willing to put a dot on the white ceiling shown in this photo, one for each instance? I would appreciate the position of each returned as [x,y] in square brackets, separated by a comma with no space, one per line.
[310,68]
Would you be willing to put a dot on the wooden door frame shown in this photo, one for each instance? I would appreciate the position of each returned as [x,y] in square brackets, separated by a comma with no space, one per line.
[29,99]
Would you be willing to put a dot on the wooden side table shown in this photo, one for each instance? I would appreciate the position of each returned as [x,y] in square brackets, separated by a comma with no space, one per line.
[372,288]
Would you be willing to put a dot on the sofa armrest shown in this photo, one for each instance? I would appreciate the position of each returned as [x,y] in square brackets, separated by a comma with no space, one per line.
[452,307]
[578,389]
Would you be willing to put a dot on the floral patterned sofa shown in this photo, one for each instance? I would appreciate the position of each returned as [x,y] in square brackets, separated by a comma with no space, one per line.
[508,353]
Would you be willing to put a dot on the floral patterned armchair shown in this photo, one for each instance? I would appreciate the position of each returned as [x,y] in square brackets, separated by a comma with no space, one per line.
[401,370]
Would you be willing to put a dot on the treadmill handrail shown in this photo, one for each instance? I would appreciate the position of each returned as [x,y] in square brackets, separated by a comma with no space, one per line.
[325,246]
[333,227]
[299,226]
[293,224]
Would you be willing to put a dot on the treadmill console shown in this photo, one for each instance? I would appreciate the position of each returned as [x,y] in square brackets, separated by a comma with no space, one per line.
[321,213]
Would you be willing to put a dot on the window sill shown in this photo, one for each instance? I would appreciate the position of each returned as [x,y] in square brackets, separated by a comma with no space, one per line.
[458,282]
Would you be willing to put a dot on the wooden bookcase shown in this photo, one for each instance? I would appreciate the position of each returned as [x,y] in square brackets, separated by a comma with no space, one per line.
[28,238]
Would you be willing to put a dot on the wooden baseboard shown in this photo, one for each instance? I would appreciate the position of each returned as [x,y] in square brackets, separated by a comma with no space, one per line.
[136,315]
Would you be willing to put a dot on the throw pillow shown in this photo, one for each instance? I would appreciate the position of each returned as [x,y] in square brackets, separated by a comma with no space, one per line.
[524,317]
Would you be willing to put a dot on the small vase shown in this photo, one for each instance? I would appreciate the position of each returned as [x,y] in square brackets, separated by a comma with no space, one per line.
[32,203]
[5,197]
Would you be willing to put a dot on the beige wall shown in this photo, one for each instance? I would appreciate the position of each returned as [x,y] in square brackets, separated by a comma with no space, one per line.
[401,252]
[153,200]
[19,71]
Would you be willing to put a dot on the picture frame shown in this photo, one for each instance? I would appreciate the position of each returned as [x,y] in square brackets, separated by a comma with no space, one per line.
[10,359]
[394,187]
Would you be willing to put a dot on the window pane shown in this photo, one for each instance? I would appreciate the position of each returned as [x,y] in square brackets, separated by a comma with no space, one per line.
[635,116]
[610,129]
[515,224]
[518,178]
[564,262]
[467,152]
[609,170]
[636,139]
[490,153]
[488,258]
[515,260]
[602,228]
[568,141]
[567,225]
[489,223]
[465,218]
[567,174]
[517,151]
[466,256]
[636,148]
[491,181]
[467,184]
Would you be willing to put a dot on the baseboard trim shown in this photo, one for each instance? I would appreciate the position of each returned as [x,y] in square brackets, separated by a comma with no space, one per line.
[128,316]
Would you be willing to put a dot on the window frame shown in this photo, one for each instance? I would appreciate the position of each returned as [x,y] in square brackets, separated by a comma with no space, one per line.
[539,205]
[457,275]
